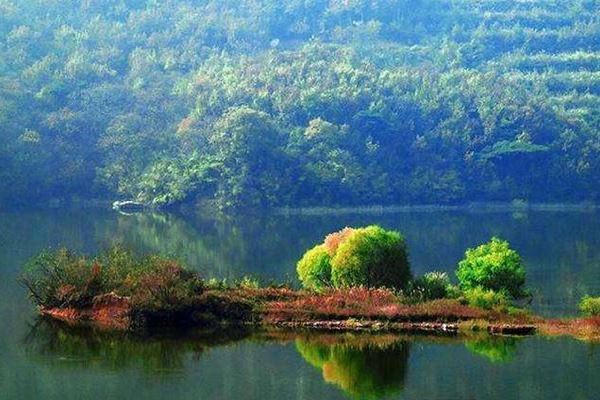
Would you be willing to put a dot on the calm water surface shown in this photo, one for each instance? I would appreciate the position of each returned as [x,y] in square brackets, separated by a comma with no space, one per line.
[561,251]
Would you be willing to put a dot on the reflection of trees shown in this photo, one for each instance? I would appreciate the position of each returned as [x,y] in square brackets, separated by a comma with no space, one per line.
[361,365]
[365,367]
[52,342]
[495,349]
[219,247]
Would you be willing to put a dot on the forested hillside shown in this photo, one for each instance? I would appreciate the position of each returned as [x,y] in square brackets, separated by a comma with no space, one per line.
[252,103]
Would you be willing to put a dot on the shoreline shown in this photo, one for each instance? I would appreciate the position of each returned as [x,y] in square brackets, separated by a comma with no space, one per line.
[473,206]
[281,309]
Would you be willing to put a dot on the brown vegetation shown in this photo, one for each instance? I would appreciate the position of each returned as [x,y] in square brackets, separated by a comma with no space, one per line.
[587,329]
[363,303]
[355,309]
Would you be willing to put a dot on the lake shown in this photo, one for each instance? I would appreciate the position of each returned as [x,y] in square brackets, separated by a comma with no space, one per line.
[561,252]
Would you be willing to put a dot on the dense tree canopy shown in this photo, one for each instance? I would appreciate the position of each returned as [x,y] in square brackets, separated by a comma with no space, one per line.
[254,103]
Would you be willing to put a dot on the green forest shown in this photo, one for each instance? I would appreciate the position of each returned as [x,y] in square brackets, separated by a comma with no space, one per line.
[266,103]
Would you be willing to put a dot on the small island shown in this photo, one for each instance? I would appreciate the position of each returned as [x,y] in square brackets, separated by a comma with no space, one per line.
[358,279]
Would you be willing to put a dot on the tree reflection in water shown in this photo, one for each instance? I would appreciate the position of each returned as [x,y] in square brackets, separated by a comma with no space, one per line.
[163,353]
[497,349]
[362,366]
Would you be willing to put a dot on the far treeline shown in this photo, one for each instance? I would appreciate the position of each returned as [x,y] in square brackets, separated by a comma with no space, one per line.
[266,103]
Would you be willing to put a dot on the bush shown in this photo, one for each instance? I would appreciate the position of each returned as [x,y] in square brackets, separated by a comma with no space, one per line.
[65,279]
[486,298]
[590,306]
[314,268]
[494,266]
[167,287]
[453,292]
[62,278]
[371,257]
[431,286]
[248,282]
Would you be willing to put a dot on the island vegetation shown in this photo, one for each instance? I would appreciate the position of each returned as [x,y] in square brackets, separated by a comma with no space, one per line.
[120,290]
[263,103]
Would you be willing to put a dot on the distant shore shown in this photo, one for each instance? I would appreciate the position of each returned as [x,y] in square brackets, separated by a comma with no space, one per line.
[473,207]
[186,208]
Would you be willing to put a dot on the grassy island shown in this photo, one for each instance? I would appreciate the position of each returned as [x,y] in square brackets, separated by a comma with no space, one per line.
[345,290]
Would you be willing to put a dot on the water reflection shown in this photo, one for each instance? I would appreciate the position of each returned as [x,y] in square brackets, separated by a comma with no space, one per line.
[62,345]
[498,350]
[363,367]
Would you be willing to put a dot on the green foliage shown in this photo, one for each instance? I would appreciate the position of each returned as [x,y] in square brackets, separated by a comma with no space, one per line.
[169,182]
[371,257]
[314,268]
[487,299]
[453,292]
[248,283]
[269,103]
[590,306]
[493,266]
[431,286]
[246,144]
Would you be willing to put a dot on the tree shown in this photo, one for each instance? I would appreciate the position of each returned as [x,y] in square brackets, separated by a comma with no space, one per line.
[247,144]
[492,266]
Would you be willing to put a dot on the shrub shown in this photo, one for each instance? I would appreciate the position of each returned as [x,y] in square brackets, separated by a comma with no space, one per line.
[65,279]
[486,298]
[590,306]
[248,282]
[453,292]
[371,257]
[167,287]
[62,278]
[431,286]
[314,268]
[494,266]
[519,204]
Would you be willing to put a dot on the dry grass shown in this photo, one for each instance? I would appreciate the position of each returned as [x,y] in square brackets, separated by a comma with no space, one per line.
[587,329]
[363,303]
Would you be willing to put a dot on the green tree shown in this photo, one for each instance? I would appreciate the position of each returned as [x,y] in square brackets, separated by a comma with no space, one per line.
[493,266]
[247,144]
[371,257]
